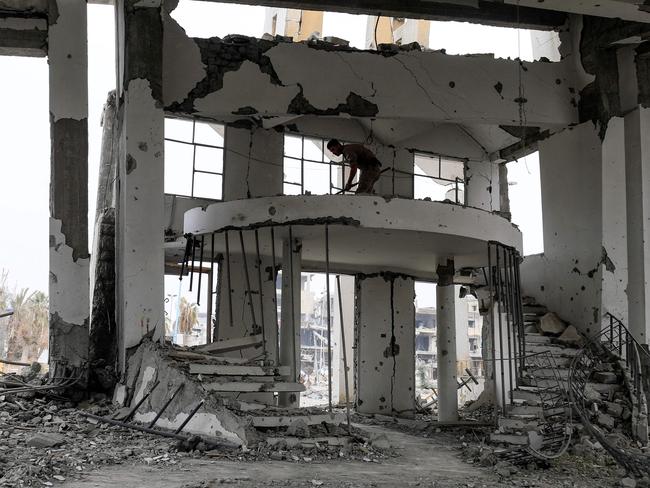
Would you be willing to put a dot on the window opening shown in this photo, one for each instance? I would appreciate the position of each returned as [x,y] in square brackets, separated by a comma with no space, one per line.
[194,154]
[438,178]
[310,168]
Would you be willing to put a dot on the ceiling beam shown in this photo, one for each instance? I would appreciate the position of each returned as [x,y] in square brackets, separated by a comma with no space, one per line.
[477,11]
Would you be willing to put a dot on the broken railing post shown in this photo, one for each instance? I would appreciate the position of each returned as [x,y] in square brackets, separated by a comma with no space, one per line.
[164,407]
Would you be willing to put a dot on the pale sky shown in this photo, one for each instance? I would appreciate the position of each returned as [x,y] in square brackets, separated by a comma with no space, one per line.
[24,120]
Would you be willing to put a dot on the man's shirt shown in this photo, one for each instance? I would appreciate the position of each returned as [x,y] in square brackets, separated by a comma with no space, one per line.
[360,156]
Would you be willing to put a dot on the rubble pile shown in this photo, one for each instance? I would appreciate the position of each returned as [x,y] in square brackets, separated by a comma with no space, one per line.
[46,442]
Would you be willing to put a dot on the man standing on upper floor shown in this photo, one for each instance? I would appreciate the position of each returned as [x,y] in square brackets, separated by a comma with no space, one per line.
[358,157]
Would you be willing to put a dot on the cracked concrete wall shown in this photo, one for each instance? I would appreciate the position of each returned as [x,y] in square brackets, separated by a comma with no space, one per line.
[140,210]
[394,183]
[567,278]
[482,185]
[385,344]
[615,276]
[244,76]
[252,163]
[69,258]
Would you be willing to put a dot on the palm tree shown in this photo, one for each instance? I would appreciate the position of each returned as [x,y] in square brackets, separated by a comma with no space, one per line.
[188,316]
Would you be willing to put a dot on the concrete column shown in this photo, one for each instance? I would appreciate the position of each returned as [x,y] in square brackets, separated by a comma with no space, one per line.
[482,189]
[140,202]
[338,370]
[253,163]
[290,317]
[446,347]
[637,177]
[504,198]
[385,344]
[69,258]
[394,183]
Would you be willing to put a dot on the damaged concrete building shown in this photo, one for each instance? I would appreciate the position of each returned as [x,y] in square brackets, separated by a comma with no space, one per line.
[263,201]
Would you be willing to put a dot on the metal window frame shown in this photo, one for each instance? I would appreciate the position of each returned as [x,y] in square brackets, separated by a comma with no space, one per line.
[457,182]
[302,159]
[194,145]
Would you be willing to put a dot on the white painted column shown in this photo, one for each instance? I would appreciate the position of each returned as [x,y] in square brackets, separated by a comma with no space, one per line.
[140,254]
[69,258]
[290,317]
[637,176]
[446,357]
[385,345]
[338,370]
[482,185]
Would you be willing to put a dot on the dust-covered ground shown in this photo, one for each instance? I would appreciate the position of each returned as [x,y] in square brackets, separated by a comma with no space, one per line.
[50,443]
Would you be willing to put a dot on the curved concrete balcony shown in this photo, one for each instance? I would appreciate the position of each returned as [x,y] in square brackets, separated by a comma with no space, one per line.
[366,233]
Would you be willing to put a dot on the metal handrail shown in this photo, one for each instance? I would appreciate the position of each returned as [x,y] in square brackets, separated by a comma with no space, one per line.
[619,343]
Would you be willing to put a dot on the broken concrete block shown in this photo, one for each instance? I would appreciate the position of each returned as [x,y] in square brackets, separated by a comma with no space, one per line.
[605,420]
[571,336]
[591,395]
[551,324]
[628,483]
[605,377]
[299,428]
[614,409]
[45,439]
[380,442]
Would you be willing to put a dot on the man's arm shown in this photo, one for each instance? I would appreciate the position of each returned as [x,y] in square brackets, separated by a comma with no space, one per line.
[353,172]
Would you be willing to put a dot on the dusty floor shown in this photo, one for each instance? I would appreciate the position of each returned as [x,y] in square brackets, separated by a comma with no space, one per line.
[430,462]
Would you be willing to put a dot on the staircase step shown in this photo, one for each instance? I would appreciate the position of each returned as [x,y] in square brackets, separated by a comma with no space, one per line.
[253,386]
[532,338]
[196,356]
[236,370]
[561,373]
[513,424]
[287,420]
[513,439]
[555,350]
[232,344]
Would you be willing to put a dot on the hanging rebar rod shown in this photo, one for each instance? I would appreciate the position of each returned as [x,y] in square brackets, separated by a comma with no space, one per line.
[192,267]
[164,407]
[189,417]
[210,332]
[248,281]
[500,300]
[345,356]
[198,292]
[329,316]
[230,314]
[186,256]
[275,297]
[259,285]
[142,400]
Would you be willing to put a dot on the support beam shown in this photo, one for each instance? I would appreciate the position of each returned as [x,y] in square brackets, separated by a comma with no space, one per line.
[480,11]
[69,258]
[637,176]
[140,215]
[446,345]
[290,317]
[23,36]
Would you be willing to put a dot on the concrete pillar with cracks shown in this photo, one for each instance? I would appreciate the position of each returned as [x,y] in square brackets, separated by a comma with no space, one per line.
[446,345]
[385,344]
[482,189]
[69,258]
[504,198]
[290,317]
[140,201]
[637,176]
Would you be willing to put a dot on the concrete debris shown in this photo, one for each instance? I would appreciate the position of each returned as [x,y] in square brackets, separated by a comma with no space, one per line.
[571,336]
[551,324]
[46,439]
[606,377]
